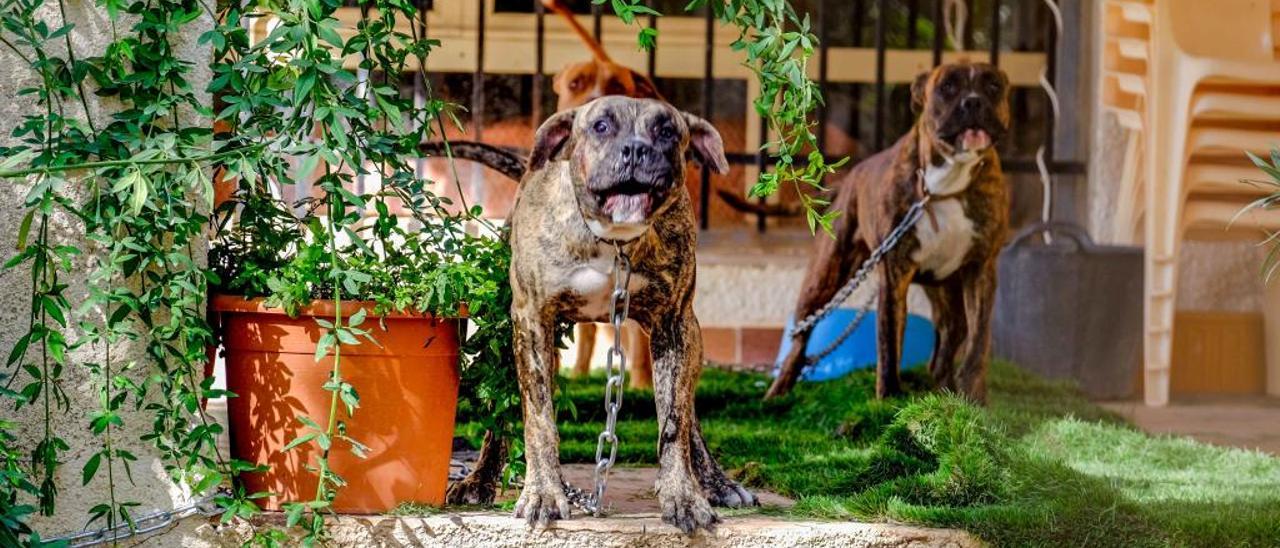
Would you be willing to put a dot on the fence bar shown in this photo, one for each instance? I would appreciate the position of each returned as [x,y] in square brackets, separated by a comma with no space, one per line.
[420,84]
[995,32]
[1051,72]
[597,21]
[855,125]
[539,60]
[708,108]
[913,18]
[477,77]
[882,11]
[762,164]
[823,56]
[939,32]
[968,32]
[652,67]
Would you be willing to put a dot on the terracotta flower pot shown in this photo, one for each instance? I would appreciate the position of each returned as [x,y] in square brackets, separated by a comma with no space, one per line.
[408,389]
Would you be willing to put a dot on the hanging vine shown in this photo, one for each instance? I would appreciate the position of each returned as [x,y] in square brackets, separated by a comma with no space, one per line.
[136,187]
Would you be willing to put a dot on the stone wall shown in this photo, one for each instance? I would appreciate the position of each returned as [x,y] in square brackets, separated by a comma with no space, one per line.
[150,485]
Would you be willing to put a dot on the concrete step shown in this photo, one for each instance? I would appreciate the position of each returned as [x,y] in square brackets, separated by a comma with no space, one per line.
[490,530]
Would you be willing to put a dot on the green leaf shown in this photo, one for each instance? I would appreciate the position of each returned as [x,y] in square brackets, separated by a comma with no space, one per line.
[19,349]
[356,319]
[322,348]
[24,229]
[91,468]
[300,440]
[308,422]
[139,189]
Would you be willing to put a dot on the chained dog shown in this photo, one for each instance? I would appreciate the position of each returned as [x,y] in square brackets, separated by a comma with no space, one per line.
[607,178]
[948,156]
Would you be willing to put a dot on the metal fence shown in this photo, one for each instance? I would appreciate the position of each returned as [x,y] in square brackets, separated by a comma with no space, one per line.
[917,25]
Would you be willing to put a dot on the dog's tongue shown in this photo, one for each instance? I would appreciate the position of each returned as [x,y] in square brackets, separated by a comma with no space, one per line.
[976,139]
[628,208]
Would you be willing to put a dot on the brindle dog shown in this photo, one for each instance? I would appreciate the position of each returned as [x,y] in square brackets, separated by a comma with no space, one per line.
[602,177]
[963,112]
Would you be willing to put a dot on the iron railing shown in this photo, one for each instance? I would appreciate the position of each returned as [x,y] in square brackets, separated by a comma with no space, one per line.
[998,10]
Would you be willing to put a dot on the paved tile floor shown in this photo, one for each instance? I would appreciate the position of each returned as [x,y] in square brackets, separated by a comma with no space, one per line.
[630,490]
[1244,422]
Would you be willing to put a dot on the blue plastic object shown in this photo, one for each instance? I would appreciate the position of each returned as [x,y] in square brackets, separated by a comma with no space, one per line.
[859,350]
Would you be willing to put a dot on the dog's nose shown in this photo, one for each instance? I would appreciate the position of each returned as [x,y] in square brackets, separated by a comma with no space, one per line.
[636,153]
[971,104]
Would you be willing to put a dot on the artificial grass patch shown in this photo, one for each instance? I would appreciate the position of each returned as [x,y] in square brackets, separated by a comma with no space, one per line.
[1040,466]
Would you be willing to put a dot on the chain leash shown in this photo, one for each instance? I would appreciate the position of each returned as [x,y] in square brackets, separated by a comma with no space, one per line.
[913,215]
[143,525]
[616,375]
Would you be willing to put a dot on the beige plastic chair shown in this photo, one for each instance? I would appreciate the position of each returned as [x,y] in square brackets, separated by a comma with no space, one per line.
[1126,54]
[1229,45]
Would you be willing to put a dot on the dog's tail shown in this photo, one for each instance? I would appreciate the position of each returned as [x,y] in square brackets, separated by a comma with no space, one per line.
[588,40]
[504,161]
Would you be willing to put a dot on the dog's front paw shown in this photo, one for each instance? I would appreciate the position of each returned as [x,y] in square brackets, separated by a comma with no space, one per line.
[727,493]
[685,508]
[542,503]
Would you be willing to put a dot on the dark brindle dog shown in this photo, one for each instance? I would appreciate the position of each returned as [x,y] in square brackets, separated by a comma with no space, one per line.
[612,171]
[950,153]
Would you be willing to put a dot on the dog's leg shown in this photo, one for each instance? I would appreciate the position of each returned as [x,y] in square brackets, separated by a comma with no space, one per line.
[719,489]
[951,330]
[891,316]
[543,499]
[481,485]
[979,298]
[677,352]
[585,338]
[833,262]
[639,362]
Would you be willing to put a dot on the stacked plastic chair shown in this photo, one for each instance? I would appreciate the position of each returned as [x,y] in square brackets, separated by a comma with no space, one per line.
[1197,83]
[1127,52]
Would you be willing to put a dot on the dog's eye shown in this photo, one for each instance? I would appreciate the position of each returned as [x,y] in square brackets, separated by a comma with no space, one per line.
[601,126]
[666,132]
[993,88]
[949,87]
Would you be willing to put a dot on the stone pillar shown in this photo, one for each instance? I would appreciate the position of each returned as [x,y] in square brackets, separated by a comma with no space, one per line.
[150,486]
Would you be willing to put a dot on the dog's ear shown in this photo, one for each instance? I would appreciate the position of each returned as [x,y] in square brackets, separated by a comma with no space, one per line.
[918,92]
[706,145]
[551,138]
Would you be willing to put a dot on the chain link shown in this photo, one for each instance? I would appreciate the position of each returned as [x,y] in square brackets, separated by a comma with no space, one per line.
[149,523]
[913,215]
[615,384]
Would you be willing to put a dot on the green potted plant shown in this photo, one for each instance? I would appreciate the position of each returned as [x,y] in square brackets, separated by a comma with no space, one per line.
[1271,200]
[341,312]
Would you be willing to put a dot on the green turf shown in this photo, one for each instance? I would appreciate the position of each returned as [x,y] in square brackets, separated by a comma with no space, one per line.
[1041,466]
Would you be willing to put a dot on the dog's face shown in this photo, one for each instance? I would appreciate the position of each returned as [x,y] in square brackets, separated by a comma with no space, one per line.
[627,158]
[963,107]
[580,83]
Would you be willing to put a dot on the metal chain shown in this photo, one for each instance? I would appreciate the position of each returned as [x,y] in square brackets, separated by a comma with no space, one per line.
[914,213]
[615,383]
[155,521]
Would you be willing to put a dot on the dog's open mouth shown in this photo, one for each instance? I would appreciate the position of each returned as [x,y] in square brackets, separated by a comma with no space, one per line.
[973,140]
[628,201]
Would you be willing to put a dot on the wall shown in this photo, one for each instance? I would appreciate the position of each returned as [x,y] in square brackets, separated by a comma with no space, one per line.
[150,486]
